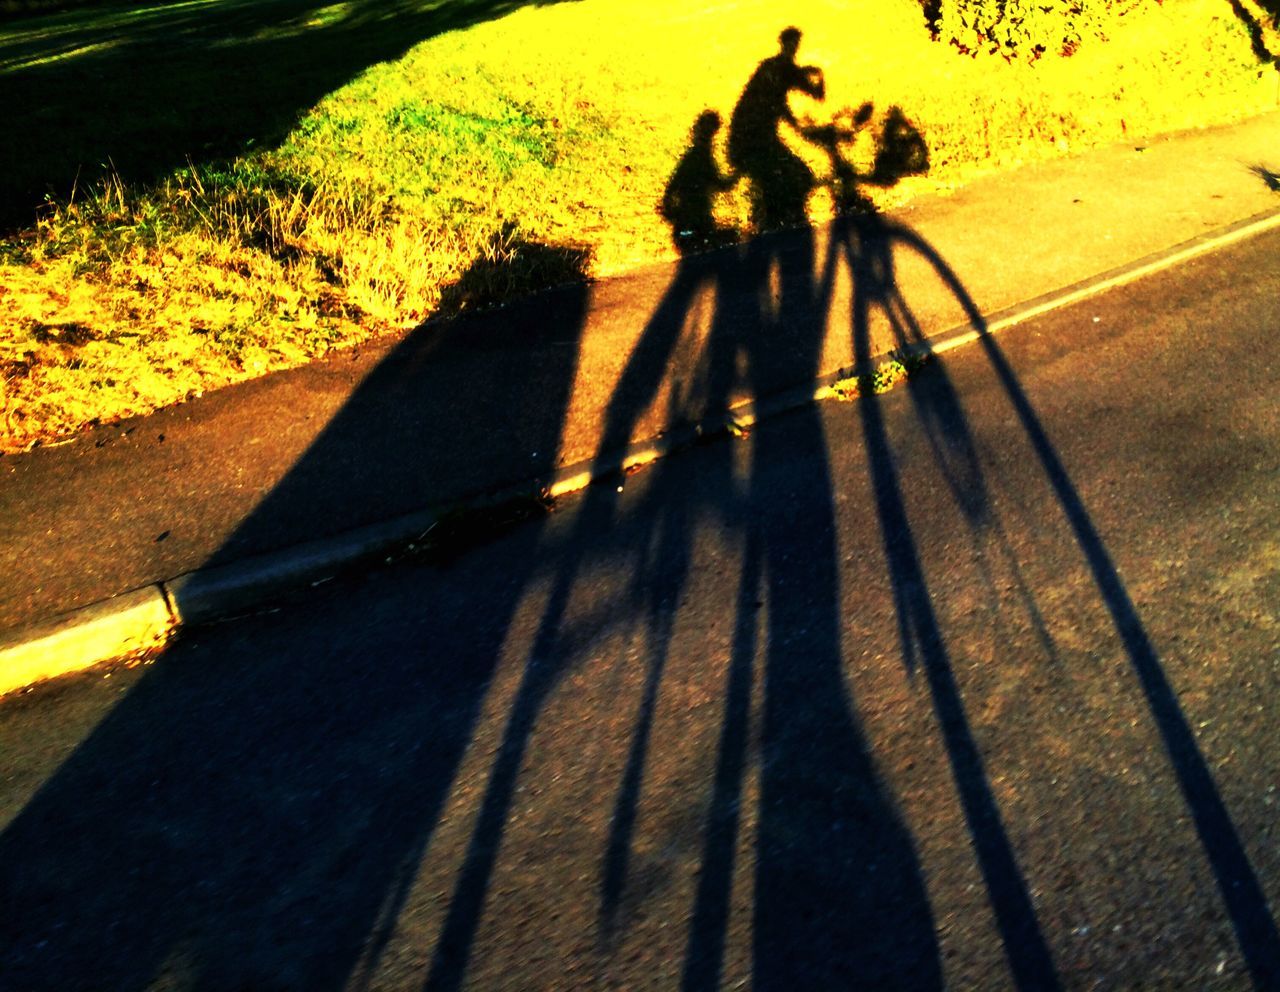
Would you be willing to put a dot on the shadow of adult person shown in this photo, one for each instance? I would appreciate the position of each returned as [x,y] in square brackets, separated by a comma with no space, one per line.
[839,897]
[780,179]
[258,823]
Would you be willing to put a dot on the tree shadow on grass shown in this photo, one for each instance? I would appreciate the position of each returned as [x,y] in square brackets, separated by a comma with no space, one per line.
[265,825]
[462,407]
[146,90]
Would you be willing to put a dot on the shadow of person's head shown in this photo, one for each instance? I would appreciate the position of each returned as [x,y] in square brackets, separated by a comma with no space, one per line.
[789,42]
[688,202]
[705,128]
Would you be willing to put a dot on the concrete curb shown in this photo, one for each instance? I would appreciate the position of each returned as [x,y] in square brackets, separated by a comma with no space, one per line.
[124,625]
[143,619]
[214,593]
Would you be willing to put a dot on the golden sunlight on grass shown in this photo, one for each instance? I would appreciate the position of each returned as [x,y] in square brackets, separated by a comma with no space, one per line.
[555,125]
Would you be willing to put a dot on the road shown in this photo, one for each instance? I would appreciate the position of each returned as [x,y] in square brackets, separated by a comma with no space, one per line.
[973,684]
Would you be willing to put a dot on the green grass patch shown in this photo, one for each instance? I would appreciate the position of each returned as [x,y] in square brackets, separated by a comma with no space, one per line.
[896,369]
[218,188]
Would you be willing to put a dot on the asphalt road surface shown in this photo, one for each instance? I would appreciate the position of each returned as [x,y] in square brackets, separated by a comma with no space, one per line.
[971,685]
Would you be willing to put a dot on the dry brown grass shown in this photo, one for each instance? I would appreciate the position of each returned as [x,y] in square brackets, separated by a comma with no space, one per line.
[554,125]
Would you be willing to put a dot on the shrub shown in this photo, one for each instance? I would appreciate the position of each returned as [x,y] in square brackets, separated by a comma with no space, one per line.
[1021,29]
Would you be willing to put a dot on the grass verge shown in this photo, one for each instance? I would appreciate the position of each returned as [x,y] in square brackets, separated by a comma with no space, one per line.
[241,241]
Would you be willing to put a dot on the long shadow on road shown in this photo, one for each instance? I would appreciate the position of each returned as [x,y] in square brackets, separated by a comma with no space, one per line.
[867,244]
[259,821]
[1238,884]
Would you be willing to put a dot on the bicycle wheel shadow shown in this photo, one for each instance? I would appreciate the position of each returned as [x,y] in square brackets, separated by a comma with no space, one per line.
[868,242]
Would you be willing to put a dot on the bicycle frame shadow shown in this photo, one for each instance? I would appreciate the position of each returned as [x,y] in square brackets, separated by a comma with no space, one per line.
[868,242]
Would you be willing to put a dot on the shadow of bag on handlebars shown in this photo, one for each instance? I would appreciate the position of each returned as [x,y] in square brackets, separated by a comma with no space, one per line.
[900,150]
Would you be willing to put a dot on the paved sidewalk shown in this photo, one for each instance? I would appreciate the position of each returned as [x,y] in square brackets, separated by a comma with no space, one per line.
[459,409]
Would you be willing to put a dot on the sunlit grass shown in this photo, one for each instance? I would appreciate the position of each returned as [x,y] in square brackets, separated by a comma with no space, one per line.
[557,125]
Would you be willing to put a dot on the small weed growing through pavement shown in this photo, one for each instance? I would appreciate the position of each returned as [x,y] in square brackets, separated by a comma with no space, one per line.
[899,367]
